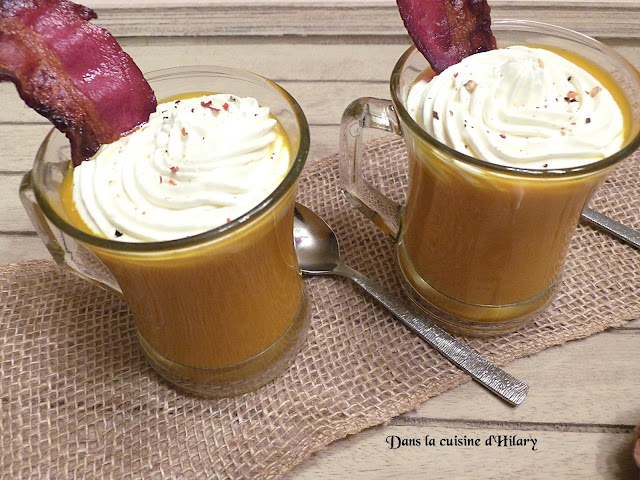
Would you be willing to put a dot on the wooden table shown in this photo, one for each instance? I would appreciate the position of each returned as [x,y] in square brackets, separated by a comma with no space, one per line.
[585,395]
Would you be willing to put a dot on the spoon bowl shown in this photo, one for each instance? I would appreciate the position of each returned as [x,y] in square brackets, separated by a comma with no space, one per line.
[316,244]
[319,254]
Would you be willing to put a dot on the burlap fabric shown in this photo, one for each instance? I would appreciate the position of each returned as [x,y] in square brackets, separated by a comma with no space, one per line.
[79,401]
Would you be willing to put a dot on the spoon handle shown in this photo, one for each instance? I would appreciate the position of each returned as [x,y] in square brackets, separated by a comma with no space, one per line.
[486,373]
[612,226]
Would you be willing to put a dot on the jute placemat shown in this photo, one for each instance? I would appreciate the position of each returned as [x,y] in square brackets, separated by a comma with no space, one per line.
[79,401]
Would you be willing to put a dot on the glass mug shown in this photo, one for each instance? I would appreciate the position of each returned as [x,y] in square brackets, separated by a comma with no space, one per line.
[219,313]
[481,246]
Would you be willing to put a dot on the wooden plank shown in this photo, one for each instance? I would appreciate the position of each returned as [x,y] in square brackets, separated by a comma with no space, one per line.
[312,96]
[19,144]
[20,248]
[327,73]
[627,48]
[558,454]
[13,217]
[339,72]
[232,18]
[327,79]
[571,384]
[317,59]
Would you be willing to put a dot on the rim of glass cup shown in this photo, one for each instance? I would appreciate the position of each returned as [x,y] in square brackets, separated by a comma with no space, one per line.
[533,27]
[218,232]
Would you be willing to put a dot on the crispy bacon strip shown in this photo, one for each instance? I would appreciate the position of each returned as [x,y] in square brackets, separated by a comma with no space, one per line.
[446,31]
[72,72]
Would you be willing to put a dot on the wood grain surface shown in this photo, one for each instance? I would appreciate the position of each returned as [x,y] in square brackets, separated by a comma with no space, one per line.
[584,399]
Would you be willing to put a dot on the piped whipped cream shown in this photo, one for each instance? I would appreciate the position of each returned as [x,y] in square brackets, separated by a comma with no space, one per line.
[197,164]
[522,107]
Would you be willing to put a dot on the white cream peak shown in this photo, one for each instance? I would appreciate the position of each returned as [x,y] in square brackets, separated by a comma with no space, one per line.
[521,107]
[197,164]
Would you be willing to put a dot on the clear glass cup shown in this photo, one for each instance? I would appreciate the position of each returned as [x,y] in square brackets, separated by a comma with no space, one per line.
[481,245]
[219,313]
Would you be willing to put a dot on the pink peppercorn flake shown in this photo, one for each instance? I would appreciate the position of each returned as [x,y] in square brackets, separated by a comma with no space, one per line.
[470,86]
[209,106]
[174,169]
[595,91]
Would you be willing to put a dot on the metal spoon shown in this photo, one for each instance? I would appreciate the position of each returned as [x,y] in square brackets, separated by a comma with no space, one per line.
[615,228]
[319,254]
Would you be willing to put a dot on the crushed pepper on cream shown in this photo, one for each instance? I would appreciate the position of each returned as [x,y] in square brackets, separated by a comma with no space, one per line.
[197,164]
[521,107]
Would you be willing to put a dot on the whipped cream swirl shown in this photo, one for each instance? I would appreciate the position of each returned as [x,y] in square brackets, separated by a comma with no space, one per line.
[197,163]
[520,106]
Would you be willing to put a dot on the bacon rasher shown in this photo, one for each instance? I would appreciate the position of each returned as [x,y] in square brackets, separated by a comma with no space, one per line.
[72,72]
[446,31]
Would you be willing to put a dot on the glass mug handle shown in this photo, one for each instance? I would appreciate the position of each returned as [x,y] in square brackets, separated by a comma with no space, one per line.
[379,114]
[65,250]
